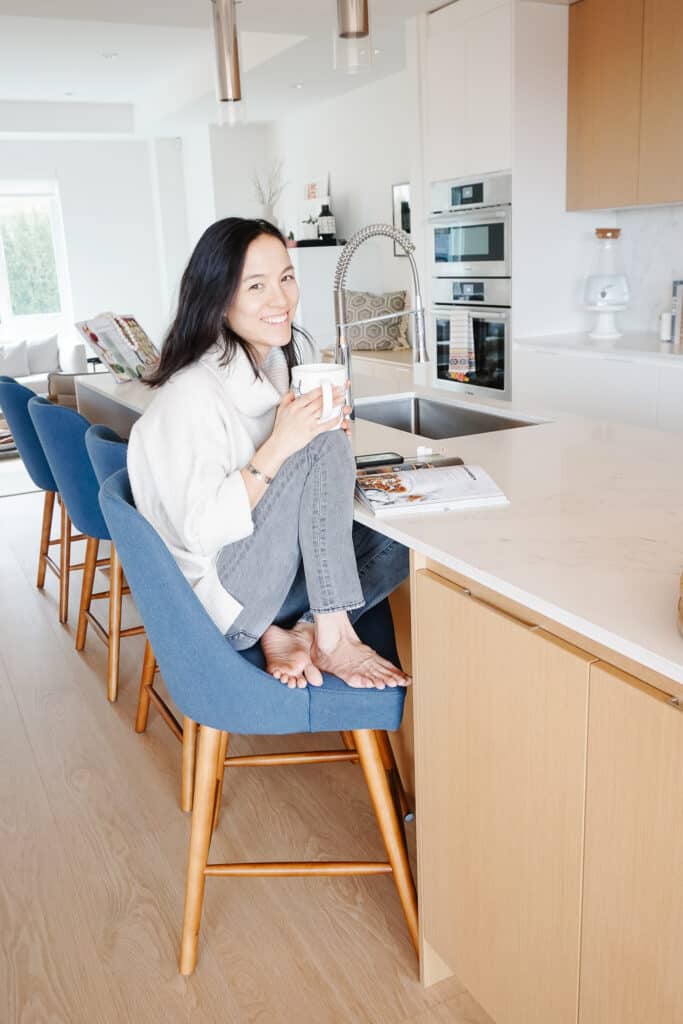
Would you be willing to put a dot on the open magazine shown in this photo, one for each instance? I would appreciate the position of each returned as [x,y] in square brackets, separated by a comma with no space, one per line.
[122,345]
[426,487]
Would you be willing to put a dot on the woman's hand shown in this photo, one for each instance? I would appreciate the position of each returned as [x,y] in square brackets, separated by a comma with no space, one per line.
[297,420]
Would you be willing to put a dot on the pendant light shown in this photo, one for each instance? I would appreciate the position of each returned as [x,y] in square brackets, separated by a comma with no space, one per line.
[228,84]
[352,19]
[352,43]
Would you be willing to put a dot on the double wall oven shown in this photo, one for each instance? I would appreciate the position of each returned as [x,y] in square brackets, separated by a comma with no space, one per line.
[471,283]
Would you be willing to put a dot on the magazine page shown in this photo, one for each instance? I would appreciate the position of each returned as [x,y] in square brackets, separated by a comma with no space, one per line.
[441,487]
[125,359]
[140,341]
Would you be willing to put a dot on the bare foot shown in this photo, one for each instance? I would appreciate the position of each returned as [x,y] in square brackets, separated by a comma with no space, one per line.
[358,665]
[288,655]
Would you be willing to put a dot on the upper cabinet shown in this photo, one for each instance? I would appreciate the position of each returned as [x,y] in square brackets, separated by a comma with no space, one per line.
[625,117]
[468,89]
[661,146]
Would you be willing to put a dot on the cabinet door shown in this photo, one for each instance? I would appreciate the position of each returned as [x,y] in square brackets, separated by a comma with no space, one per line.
[632,933]
[661,135]
[468,89]
[605,387]
[670,398]
[500,735]
[603,126]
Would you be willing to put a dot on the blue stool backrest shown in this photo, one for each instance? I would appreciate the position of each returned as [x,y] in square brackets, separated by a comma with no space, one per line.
[62,435]
[14,399]
[107,451]
[208,680]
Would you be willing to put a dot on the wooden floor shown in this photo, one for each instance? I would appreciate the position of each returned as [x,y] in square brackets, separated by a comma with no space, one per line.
[93,849]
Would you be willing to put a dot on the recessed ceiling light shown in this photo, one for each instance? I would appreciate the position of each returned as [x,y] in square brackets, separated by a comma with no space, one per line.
[109,54]
[376,52]
[298,85]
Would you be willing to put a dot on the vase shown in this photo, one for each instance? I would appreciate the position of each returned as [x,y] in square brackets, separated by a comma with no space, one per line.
[267,213]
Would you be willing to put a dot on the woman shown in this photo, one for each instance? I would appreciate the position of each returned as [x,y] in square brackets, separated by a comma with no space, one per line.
[251,493]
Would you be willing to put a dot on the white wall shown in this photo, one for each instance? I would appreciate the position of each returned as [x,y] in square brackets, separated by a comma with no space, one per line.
[551,247]
[238,153]
[106,199]
[652,251]
[364,140]
[168,186]
[198,172]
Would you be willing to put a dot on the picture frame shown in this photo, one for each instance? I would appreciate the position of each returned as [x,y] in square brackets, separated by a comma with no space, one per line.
[400,211]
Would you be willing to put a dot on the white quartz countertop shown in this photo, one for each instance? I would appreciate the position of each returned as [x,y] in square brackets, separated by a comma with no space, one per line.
[592,536]
[632,346]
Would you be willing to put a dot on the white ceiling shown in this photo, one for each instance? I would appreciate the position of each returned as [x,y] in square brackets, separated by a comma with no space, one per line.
[54,51]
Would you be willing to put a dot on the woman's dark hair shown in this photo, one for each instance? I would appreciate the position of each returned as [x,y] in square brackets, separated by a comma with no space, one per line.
[207,289]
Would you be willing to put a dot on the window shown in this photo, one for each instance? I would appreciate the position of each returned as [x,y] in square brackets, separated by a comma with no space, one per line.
[32,275]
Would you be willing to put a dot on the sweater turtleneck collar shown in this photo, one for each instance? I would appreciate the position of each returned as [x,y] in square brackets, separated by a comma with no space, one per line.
[251,395]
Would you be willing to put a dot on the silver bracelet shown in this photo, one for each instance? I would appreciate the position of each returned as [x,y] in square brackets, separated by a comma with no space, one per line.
[251,468]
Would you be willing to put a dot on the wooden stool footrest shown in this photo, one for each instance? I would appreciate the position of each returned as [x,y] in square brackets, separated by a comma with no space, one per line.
[299,869]
[166,713]
[299,757]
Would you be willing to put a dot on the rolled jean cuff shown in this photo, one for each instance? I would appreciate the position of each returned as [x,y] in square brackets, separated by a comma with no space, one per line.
[308,616]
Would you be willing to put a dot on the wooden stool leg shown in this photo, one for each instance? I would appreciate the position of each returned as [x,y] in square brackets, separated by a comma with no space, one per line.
[46,529]
[149,665]
[200,840]
[115,599]
[389,762]
[347,740]
[220,772]
[387,819]
[64,563]
[189,760]
[91,549]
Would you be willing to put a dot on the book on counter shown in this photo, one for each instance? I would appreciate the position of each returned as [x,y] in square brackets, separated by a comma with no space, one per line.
[436,485]
[122,345]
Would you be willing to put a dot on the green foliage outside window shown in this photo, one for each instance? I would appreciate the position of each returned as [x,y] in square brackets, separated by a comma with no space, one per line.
[26,237]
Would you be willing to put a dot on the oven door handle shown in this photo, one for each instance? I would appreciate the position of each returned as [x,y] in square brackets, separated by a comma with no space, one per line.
[477,313]
[459,218]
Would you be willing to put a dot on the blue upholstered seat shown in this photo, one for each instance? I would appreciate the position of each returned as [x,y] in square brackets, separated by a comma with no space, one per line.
[106,449]
[62,435]
[14,400]
[209,681]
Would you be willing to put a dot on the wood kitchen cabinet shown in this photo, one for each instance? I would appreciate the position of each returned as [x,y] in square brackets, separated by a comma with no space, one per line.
[625,117]
[500,735]
[661,136]
[632,933]
[603,113]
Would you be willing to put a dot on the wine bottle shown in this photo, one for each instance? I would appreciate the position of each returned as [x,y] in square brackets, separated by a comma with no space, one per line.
[327,228]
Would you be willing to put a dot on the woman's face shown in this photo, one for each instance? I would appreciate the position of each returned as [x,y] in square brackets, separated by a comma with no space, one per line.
[263,308]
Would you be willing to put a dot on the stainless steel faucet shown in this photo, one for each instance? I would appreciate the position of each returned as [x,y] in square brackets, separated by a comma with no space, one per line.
[342,351]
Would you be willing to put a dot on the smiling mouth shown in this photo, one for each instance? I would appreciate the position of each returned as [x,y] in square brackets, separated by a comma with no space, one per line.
[275,320]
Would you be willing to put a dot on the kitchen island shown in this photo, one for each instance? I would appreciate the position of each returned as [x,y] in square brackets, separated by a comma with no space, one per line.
[548,674]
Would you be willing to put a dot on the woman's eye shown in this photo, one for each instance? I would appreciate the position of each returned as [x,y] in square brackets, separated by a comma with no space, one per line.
[288,277]
[254,287]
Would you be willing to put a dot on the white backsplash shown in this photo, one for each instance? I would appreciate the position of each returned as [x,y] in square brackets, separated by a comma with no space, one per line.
[652,251]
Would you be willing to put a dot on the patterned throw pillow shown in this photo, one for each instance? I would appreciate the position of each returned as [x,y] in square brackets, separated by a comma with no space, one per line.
[384,336]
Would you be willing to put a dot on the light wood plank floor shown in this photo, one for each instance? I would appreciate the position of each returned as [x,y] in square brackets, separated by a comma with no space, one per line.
[93,849]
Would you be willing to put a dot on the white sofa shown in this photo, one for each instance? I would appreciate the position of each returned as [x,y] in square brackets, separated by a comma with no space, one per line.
[31,362]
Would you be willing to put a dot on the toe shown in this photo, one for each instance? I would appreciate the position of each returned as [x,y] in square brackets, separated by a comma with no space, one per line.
[313,675]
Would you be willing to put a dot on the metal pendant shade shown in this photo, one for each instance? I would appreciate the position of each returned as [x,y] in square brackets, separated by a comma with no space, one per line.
[352,19]
[227,51]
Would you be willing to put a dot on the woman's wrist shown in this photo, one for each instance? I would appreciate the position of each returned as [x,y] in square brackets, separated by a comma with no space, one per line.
[268,458]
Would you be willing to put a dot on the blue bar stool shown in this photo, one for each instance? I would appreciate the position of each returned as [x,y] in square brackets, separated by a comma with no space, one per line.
[226,691]
[108,453]
[62,434]
[14,399]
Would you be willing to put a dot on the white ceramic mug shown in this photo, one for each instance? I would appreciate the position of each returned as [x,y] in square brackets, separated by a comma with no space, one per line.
[327,376]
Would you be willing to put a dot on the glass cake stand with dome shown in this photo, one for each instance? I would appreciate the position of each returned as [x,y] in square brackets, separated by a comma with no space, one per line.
[606,292]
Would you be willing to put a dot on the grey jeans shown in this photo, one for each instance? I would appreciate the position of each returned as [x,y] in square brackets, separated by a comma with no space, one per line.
[306,556]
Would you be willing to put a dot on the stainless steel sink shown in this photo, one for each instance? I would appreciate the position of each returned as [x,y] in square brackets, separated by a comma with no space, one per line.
[431,419]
